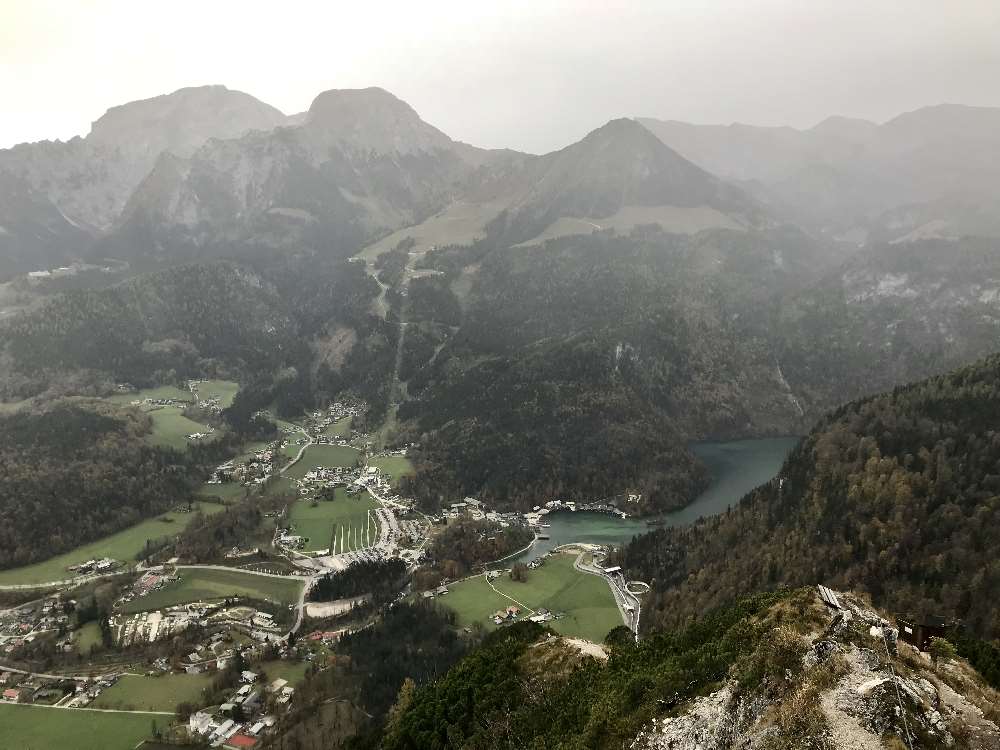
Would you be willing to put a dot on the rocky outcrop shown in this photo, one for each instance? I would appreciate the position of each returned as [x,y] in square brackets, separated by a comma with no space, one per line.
[850,692]
[90,179]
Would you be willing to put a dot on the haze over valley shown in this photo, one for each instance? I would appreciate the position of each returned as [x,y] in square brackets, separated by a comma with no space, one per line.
[329,429]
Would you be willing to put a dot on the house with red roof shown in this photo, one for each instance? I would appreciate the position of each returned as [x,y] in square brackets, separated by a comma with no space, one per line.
[240,742]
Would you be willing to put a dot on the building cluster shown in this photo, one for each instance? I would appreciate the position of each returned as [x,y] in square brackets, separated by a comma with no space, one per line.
[477,511]
[246,716]
[102,565]
[25,624]
[536,515]
[255,469]
[50,691]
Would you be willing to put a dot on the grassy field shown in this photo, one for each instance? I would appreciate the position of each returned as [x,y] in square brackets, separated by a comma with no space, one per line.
[171,428]
[224,389]
[224,491]
[26,727]
[126,545]
[586,601]
[293,446]
[87,637]
[341,525]
[282,669]
[326,456]
[396,466]
[460,224]
[163,391]
[207,584]
[161,693]
[340,428]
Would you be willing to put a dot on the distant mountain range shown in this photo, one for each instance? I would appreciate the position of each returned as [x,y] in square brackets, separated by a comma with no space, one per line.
[929,173]
[212,171]
[653,283]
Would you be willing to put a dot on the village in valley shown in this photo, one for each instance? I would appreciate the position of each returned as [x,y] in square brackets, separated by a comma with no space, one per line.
[214,650]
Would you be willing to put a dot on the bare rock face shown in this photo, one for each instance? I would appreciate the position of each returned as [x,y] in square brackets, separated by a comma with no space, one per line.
[370,121]
[856,691]
[90,179]
[360,162]
[709,724]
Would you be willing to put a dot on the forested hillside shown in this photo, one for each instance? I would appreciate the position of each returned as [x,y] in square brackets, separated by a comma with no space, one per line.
[583,367]
[204,319]
[73,473]
[897,495]
[777,671]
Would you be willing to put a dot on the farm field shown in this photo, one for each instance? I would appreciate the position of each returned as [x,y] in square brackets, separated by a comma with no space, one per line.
[163,391]
[395,466]
[341,525]
[203,584]
[26,726]
[161,693]
[326,456]
[340,428]
[587,603]
[171,428]
[125,545]
[224,390]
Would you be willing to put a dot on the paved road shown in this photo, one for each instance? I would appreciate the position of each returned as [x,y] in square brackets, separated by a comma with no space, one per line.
[68,582]
[95,710]
[43,675]
[309,441]
[240,570]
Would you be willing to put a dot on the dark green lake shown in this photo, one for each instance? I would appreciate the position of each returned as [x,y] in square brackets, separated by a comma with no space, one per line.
[736,467]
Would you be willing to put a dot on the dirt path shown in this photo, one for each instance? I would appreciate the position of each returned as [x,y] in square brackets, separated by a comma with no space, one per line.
[522,605]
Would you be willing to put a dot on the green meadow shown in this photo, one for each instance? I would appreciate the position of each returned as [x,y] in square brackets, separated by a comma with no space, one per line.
[149,693]
[171,428]
[395,466]
[27,727]
[326,456]
[586,601]
[340,428]
[224,390]
[344,524]
[125,545]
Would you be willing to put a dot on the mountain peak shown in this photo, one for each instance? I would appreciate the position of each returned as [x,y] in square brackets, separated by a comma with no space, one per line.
[372,119]
[181,121]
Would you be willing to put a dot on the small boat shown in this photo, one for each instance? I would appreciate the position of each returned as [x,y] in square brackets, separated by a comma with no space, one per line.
[543,537]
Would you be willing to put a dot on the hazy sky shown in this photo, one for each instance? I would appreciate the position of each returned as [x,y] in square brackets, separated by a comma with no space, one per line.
[529,75]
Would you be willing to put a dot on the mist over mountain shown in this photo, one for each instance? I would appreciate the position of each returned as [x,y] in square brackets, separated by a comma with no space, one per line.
[929,172]
[252,332]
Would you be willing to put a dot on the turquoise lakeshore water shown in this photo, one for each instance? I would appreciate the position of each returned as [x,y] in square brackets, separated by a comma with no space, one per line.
[736,468]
